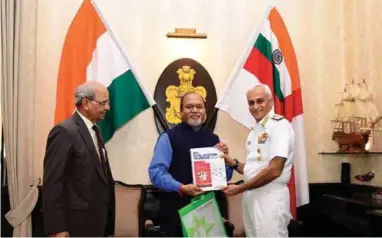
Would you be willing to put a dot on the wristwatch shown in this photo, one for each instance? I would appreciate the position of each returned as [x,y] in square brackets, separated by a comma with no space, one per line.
[236,165]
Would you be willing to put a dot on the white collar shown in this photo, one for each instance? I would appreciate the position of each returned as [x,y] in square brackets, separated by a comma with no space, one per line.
[88,123]
[263,122]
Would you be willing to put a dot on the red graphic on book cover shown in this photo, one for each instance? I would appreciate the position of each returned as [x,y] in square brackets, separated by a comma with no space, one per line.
[202,174]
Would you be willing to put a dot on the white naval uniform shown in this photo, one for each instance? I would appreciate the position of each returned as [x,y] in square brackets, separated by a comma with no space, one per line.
[266,210]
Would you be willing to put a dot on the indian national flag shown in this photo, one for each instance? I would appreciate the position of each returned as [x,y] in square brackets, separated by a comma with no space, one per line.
[91,52]
[270,59]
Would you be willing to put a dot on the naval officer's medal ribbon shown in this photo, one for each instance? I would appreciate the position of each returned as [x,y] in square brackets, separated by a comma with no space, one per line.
[259,139]
[262,138]
[265,137]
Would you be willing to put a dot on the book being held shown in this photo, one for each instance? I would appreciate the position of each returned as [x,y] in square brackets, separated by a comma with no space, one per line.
[208,169]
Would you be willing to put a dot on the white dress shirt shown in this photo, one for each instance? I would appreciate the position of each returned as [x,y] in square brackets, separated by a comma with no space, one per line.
[93,135]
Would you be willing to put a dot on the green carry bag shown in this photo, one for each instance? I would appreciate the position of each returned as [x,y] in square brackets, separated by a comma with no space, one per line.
[202,218]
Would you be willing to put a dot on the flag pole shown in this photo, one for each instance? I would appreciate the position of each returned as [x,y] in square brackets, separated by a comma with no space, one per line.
[159,115]
[2,157]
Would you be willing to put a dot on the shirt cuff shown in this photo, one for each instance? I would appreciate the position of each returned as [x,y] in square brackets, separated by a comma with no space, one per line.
[175,186]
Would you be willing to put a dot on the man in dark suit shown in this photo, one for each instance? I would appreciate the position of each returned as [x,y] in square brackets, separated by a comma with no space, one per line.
[78,188]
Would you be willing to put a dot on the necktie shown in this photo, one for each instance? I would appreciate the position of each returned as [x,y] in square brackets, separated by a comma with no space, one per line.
[100,147]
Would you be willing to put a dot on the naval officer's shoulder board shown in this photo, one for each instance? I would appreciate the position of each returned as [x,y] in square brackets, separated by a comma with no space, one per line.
[277,117]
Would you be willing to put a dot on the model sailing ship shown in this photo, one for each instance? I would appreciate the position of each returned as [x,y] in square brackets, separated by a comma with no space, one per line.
[357,117]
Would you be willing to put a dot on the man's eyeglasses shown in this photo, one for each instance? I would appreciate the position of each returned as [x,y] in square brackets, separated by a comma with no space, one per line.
[104,103]
[191,107]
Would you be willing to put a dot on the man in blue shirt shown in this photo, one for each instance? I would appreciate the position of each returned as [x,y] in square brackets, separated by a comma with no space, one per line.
[170,169]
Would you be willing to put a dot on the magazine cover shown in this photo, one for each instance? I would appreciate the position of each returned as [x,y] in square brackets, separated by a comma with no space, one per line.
[208,169]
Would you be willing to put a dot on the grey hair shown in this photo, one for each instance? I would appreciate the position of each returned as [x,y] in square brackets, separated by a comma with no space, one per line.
[84,91]
[268,91]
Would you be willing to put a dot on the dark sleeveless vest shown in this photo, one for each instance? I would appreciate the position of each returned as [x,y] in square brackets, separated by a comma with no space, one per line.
[182,139]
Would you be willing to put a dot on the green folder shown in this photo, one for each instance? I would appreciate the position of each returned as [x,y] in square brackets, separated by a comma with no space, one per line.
[202,218]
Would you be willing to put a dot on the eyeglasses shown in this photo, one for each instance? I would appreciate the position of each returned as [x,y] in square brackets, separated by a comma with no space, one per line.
[104,103]
[190,107]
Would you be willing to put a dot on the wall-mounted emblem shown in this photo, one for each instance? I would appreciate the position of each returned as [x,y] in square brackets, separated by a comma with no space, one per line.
[174,93]
[178,78]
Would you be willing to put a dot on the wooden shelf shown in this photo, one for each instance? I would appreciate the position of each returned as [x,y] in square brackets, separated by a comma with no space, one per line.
[351,153]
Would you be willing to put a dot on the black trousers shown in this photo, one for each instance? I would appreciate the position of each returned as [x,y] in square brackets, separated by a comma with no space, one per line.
[171,229]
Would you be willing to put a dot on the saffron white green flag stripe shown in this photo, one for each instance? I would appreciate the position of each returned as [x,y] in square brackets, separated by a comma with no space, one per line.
[91,52]
[270,59]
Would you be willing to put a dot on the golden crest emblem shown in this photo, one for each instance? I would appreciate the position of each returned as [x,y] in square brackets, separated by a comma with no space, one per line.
[174,93]
[178,78]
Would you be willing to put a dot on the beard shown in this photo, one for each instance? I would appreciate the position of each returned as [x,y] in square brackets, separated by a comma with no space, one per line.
[194,122]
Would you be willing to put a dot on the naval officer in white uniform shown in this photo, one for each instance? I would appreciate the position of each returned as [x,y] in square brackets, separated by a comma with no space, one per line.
[266,206]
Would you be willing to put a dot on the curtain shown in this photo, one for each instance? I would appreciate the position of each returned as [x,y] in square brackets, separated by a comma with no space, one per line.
[18,39]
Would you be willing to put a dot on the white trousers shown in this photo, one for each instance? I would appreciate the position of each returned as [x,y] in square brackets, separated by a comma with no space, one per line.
[266,211]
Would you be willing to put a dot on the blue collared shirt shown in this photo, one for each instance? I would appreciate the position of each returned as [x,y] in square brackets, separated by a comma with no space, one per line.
[158,169]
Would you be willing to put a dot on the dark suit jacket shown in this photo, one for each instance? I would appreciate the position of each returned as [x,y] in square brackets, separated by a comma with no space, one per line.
[78,196]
